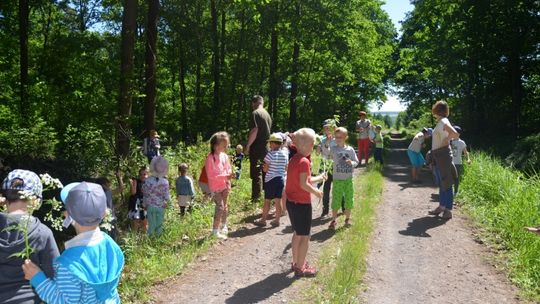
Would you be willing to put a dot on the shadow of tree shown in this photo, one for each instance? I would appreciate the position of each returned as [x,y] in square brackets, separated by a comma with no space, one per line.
[419,227]
[261,290]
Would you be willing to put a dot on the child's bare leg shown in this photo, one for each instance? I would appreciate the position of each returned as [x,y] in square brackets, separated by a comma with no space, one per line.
[294,248]
[284,203]
[266,209]
[347,214]
[334,214]
[303,244]
[277,203]
[218,211]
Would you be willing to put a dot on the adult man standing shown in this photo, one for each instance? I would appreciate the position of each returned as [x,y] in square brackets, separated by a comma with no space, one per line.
[260,124]
[362,127]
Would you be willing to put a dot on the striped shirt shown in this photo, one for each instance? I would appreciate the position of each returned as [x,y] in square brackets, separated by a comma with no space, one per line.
[277,161]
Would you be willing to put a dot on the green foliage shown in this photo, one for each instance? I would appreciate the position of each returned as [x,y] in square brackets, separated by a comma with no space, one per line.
[504,201]
[37,141]
[526,154]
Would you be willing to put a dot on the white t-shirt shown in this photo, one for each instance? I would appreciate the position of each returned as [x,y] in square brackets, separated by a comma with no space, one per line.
[457,150]
[440,136]
[416,143]
[365,125]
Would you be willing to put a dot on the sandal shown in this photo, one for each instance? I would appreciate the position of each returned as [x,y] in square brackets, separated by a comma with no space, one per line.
[274,223]
[259,223]
[436,211]
[332,225]
[348,222]
[305,271]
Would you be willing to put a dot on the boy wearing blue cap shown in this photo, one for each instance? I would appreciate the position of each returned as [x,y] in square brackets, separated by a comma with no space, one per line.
[14,288]
[89,270]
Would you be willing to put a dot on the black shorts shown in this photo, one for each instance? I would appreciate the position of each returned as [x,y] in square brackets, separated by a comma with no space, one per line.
[274,188]
[300,216]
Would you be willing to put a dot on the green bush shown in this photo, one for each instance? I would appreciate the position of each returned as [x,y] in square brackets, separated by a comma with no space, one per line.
[526,154]
[504,201]
[35,141]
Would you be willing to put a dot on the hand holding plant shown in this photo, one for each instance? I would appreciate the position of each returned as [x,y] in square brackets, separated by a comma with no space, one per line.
[30,269]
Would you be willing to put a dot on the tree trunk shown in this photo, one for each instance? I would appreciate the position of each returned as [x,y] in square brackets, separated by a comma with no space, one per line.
[129,27]
[236,72]
[517,91]
[294,77]
[23,44]
[199,60]
[215,56]
[150,66]
[273,81]
[183,100]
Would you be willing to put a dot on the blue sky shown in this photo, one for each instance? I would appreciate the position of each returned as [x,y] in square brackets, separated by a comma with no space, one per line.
[396,9]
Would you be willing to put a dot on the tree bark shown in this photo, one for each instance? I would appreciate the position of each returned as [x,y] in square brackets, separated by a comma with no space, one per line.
[129,28]
[294,77]
[23,60]
[215,57]
[517,91]
[150,66]
[183,100]
[273,81]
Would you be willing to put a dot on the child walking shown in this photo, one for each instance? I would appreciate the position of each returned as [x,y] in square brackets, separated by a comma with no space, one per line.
[299,189]
[220,173]
[345,160]
[156,194]
[184,189]
[238,159]
[275,166]
[89,269]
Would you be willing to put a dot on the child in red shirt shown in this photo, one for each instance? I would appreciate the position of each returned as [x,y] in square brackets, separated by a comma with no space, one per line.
[299,189]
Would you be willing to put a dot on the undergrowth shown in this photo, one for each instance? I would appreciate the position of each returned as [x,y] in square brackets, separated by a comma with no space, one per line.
[503,201]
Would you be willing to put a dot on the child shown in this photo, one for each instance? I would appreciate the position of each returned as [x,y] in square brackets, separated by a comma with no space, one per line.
[89,269]
[105,183]
[345,160]
[275,167]
[459,147]
[184,189]
[415,152]
[14,288]
[327,143]
[238,158]
[299,189]
[151,145]
[156,194]
[203,182]
[378,141]
[136,212]
[219,172]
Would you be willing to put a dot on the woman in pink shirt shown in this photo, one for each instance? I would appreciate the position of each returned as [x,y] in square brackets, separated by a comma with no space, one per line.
[219,172]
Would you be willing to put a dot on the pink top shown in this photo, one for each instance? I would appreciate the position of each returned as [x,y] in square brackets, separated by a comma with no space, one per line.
[218,169]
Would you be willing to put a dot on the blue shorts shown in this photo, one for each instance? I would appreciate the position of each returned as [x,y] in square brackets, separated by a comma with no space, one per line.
[416,158]
[274,188]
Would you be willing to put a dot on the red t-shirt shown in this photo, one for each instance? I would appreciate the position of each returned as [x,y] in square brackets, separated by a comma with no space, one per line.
[298,164]
[203,178]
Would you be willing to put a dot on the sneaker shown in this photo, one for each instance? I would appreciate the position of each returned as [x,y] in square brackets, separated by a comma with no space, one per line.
[348,222]
[332,225]
[447,214]
[436,211]
[305,271]
[259,223]
[219,235]
[225,230]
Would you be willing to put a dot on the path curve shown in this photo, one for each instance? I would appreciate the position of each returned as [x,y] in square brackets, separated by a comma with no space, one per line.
[416,258]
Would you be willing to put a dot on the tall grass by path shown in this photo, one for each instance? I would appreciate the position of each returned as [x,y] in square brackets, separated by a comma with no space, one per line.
[155,259]
[502,201]
[343,261]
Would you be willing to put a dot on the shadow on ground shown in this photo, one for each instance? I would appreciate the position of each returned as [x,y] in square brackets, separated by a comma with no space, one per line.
[419,227]
[261,290]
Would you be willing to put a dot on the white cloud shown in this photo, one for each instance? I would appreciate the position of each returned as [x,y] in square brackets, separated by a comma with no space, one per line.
[392,104]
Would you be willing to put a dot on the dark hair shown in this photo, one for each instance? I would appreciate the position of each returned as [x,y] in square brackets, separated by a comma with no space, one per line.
[143,168]
[458,129]
[102,181]
[257,99]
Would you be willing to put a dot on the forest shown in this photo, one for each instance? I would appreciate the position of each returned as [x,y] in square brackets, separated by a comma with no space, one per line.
[83,81]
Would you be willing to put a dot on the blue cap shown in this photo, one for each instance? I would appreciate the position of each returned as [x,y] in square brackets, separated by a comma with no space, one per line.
[23,180]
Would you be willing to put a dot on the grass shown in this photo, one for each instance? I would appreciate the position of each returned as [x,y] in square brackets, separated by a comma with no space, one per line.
[152,260]
[502,201]
[342,263]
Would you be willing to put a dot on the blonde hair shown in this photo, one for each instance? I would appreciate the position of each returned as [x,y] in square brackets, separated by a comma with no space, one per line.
[441,108]
[218,138]
[183,168]
[304,137]
[239,147]
[341,130]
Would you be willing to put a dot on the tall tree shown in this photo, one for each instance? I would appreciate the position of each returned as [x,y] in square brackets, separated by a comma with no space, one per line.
[150,65]
[127,52]
[295,67]
[216,70]
[23,45]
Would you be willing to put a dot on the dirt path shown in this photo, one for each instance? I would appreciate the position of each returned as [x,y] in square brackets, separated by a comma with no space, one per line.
[416,258]
[252,266]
